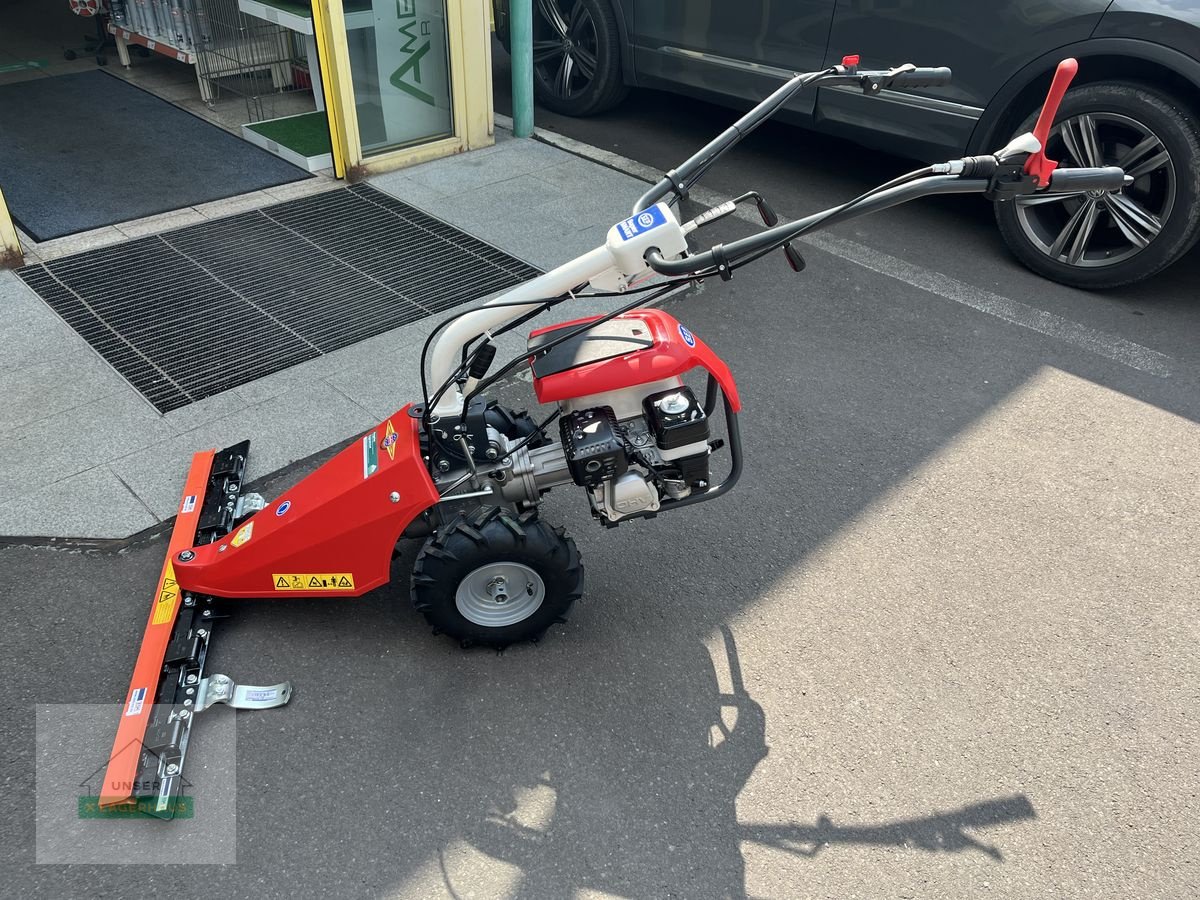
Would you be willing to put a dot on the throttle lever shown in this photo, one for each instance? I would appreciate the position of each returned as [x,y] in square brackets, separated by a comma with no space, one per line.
[795,260]
[1037,165]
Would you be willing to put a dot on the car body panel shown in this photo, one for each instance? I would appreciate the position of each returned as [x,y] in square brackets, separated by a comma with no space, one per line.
[1038,72]
[738,48]
[1170,23]
[734,52]
[941,33]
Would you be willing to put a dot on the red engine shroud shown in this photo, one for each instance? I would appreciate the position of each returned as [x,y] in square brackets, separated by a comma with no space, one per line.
[676,350]
[340,521]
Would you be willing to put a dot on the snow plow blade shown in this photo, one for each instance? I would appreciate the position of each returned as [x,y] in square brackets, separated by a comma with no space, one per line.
[169,686]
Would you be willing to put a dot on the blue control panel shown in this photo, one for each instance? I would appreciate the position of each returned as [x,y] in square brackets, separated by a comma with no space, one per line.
[641,223]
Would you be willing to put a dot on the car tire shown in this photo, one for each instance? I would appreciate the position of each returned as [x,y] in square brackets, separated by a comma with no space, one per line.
[576,57]
[1096,241]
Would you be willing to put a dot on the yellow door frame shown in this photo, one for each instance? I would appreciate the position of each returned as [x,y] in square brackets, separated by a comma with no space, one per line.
[469,25]
[11,255]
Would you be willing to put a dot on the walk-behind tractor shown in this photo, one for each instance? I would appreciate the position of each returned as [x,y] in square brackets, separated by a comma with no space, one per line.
[466,475]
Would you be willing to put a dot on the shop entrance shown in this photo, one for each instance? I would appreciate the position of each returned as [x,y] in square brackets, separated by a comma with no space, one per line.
[112,110]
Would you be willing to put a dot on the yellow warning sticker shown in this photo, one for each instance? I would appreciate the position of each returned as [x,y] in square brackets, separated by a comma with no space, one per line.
[244,534]
[338,581]
[168,594]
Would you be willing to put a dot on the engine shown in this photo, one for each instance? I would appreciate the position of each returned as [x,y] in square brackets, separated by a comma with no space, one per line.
[630,453]
[629,464]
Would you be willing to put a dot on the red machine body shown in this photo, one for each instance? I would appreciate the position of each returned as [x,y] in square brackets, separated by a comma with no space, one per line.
[674,351]
[372,490]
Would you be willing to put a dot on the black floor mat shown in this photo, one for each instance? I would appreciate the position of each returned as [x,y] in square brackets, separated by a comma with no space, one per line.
[190,313]
[86,150]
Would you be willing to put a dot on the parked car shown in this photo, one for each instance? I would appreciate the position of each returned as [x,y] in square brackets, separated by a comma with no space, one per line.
[1133,104]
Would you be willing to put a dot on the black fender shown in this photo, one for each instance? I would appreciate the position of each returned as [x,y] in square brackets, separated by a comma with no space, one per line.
[985,137]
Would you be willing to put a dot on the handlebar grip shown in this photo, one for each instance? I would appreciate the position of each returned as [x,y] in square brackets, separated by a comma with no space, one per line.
[1109,178]
[926,76]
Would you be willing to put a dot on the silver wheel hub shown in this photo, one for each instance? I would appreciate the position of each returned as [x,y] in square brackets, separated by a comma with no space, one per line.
[500,594]
[1093,229]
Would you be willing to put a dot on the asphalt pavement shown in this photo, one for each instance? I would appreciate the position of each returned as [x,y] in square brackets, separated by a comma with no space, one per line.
[939,642]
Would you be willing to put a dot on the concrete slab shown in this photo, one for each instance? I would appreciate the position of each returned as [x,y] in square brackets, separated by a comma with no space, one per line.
[56,447]
[90,504]
[38,390]
[508,201]
[167,221]
[282,430]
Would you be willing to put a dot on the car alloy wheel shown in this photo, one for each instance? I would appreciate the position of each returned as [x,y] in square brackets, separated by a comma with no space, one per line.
[565,46]
[1094,229]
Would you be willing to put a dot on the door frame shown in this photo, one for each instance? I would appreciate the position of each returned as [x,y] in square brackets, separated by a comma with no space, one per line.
[468,23]
[11,255]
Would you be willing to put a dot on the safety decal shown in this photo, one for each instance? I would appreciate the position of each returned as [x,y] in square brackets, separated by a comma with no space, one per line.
[370,455]
[688,337]
[136,700]
[168,594]
[244,534]
[389,440]
[189,503]
[338,581]
[642,222]
[283,508]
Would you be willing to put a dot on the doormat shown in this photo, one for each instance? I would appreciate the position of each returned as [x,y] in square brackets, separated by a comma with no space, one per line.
[82,151]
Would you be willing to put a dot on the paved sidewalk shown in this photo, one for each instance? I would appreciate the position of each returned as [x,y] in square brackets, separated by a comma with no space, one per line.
[82,454]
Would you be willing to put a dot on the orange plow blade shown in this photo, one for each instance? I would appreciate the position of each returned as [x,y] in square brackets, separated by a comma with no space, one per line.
[169,686]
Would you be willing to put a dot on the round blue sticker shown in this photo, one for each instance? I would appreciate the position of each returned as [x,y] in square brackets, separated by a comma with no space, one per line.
[283,508]
[688,337]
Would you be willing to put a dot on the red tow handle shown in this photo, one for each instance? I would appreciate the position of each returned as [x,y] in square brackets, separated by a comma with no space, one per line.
[1037,164]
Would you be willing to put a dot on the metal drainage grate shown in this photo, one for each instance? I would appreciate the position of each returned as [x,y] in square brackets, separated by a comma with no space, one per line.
[190,313]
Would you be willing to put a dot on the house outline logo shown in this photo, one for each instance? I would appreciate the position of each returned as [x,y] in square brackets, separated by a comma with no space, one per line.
[143,793]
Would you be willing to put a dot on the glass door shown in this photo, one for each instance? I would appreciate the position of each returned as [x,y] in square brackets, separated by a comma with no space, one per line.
[407,80]
[400,70]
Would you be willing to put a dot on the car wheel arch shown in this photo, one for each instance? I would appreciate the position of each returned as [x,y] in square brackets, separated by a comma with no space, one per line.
[1112,59]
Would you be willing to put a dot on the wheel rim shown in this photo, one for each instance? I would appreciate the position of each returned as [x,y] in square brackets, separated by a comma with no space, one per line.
[1093,229]
[564,47]
[500,594]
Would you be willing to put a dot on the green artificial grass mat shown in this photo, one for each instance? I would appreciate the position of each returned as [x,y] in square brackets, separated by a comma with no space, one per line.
[307,134]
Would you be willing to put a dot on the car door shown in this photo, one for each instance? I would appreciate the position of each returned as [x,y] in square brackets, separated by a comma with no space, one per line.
[735,48]
[984,43]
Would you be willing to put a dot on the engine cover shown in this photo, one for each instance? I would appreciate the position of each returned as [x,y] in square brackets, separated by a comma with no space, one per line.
[594,449]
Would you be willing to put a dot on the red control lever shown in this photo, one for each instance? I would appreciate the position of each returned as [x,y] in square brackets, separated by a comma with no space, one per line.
[1037,164]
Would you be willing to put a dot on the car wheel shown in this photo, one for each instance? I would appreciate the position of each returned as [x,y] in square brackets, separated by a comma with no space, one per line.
[576,57]
[1097,240]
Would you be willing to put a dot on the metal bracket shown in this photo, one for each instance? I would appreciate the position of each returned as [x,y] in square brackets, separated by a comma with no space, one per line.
[223,689]
[247,504]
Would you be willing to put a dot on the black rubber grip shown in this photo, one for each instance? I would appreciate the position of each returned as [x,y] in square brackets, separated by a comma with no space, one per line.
[1109,178]
[928,76]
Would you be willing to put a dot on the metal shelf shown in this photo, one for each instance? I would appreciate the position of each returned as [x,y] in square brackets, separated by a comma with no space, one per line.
[132,37]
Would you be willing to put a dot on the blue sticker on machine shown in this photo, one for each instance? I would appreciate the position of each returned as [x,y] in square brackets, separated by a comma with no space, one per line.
[688,337]
[642,222]
[283,508]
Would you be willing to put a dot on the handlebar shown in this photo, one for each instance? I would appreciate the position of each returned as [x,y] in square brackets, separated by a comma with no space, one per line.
[1109,178]
[723,256]
[927,76]
[680,179]
[1020,168]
